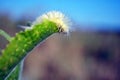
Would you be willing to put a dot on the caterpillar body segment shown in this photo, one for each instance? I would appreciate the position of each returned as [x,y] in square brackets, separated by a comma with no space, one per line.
[22,43]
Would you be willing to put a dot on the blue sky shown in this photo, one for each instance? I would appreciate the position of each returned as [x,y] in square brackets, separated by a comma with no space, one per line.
[82,11]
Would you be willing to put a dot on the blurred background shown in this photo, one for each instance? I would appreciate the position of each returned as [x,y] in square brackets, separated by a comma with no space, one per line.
[96,28]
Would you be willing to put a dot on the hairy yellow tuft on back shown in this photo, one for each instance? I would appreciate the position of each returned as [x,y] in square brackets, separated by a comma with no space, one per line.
[57,17]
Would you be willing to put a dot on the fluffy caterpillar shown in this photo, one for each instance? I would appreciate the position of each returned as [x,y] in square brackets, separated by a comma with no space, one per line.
[25,41]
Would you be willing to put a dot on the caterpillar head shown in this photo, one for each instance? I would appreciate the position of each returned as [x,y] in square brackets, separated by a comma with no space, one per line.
[63,23]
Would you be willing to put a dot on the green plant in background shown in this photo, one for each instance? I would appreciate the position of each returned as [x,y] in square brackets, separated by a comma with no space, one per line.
[25,41]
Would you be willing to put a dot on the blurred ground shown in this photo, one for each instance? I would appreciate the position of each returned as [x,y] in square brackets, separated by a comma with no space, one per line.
[83,55]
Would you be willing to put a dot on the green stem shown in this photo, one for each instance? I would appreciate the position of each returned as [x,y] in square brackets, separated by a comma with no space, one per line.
[4,34]
[14,75]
